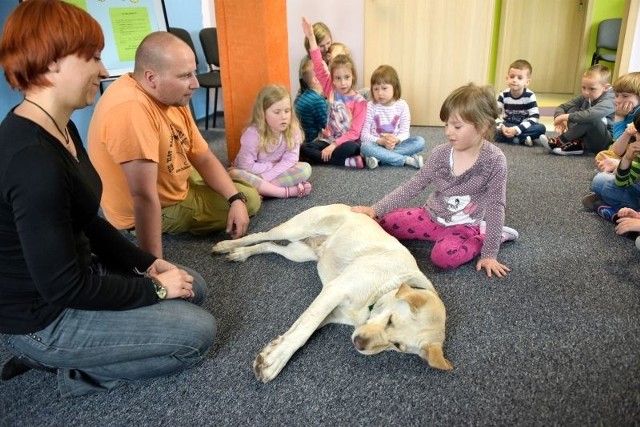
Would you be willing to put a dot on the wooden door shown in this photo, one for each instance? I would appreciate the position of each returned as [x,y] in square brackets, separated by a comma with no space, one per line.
[548,34]
[435,46]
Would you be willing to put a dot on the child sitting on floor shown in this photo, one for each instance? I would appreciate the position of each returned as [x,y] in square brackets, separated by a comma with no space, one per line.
[520,121]
[385,134]
[585,122]
[270,148]
[340,141]
[464,214]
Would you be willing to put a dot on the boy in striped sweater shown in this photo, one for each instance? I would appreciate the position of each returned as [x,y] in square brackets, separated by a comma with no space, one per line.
[519,122]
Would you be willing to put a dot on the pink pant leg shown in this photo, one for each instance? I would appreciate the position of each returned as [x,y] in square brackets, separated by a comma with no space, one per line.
[457,245]
[411,224]
[454,245]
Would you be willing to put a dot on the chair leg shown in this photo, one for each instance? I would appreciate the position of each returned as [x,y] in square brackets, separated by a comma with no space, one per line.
[206,111]
[215,107]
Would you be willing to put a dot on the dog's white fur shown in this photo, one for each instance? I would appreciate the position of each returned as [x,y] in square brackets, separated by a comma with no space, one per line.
[360,266]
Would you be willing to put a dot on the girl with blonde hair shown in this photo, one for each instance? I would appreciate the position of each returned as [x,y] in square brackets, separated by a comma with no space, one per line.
[270,148]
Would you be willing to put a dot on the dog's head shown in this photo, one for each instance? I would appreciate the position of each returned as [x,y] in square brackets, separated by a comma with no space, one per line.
[410,321]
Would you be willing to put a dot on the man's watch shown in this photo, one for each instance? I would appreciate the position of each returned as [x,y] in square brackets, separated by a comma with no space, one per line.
[238,196]
[161,291]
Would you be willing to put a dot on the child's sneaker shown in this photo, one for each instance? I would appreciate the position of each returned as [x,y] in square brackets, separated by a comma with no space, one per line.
[354,162]
[571,148]
[544,141]
[371,162]
[508,234]
[638,243]
[528,141]
[591,201]
[607,212]
[551,143]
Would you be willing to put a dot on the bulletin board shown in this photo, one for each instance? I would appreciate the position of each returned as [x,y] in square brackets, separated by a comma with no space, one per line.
[124,24]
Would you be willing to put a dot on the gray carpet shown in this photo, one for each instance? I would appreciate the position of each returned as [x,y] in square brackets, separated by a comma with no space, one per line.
[557,342]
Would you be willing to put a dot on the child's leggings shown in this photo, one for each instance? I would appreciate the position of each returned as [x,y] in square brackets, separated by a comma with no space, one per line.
[454,245]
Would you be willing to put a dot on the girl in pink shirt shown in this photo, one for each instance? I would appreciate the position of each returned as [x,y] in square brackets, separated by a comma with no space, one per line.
[340,141]
[270,148]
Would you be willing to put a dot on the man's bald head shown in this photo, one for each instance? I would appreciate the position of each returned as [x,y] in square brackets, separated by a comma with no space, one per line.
[155,52]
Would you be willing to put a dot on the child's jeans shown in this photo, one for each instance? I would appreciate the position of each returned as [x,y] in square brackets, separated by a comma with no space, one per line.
[604,185]
[396,157]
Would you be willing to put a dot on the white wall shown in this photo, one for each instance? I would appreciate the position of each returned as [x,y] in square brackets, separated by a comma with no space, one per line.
[345,19]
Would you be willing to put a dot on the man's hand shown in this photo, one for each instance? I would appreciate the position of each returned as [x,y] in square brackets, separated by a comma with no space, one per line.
[237,219]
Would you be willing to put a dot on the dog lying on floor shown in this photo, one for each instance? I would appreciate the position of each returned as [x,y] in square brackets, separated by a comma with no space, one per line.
[369,280]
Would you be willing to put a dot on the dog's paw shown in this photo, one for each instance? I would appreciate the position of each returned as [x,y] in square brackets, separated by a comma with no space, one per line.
[270,361]
[238,255]
[223,247]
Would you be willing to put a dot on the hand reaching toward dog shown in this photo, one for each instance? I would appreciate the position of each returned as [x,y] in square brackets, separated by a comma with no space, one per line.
[367,210]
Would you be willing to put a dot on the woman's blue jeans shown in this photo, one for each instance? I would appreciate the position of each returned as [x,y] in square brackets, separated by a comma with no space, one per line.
[99,350]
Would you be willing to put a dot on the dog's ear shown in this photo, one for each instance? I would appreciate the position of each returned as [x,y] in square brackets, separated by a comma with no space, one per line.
[413,297]
[434,356]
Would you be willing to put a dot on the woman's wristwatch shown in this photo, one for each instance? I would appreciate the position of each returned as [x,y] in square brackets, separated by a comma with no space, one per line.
[161,291]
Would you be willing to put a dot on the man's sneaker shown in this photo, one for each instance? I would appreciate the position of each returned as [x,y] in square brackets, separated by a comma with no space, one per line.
[590,201]
[544,141]
[371,162]
[607,212]
[528,141]
[508,234]
[571,148]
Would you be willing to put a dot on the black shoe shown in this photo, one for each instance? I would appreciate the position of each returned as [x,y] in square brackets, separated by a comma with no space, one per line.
[13,368]
[17,366]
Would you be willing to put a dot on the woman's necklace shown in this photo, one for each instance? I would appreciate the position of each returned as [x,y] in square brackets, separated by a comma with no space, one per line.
[64,134]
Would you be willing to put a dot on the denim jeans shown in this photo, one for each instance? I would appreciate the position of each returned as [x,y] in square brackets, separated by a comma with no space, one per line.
[397,156]
[534,131]
[94,351]
[604,185]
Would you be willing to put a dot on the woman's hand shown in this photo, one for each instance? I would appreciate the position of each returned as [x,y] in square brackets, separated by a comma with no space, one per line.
[177,282]
[492,265]
[159,266]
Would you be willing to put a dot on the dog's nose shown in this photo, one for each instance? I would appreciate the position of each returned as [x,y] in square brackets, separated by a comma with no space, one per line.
[360,343]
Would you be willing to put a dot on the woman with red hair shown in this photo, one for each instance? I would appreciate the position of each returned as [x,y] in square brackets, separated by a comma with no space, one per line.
[76,297]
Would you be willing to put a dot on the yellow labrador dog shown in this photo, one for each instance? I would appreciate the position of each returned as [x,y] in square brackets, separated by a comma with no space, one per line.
[369,280]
